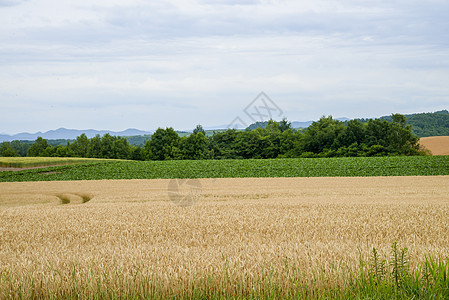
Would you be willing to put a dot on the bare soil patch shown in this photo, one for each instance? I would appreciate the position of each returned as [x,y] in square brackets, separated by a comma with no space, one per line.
[438,145]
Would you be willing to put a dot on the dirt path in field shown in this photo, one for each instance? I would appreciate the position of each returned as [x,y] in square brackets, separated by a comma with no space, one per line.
[438,145]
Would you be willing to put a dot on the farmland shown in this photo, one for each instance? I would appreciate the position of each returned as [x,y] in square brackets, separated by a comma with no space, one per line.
[437,145]
[305,228]
[32,162]
[297,167]
[243,238]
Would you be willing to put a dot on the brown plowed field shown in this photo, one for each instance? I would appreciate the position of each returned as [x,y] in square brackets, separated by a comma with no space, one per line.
[438,145]
[236,227]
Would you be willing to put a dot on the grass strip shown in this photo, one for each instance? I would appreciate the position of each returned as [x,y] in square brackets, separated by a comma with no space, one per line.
[29,162]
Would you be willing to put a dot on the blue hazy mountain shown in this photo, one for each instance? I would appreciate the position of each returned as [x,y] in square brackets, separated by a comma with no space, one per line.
[68,134]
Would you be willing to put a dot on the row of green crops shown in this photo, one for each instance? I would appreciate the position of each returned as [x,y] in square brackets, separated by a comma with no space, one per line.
[297,167]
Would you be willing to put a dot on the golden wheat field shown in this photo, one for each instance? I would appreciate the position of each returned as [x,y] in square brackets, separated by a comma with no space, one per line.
[437,145]
[239,235]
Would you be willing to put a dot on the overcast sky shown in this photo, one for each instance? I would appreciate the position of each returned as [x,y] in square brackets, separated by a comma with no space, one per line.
[110,64]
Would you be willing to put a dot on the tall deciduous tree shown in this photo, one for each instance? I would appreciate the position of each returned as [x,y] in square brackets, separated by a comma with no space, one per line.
[6,150]
[80,147]
[195,146]
[401,139]
[164,144]
[322,134]
[39,148]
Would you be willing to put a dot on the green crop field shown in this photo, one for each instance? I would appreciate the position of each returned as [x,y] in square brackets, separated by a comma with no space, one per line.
[298,167]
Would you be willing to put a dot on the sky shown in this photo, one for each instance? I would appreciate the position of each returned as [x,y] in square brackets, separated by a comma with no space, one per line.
[110,64]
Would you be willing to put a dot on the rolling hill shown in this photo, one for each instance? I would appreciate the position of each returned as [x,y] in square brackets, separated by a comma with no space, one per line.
[438,145]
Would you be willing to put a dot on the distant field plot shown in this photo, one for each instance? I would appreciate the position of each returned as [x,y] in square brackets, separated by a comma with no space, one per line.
[30,162]
[298,167]
[437,145]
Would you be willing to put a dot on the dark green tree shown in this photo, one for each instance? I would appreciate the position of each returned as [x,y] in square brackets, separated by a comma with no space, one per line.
[107,146]
[199,129]
[249,144]
[353,133]
[195,146]
[284,125]
[322,135]
[80,147]
[164,144]
[40,148]
[6,150]
[137,153]
[376,132]
[270,139]
[21,147]
[223,144]
[290,143]
[121,148]
[94,149]
[62,151]
[401,139]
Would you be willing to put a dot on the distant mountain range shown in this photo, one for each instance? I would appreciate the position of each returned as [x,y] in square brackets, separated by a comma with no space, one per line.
[296,124]
[308,123]
[69,134]
[423,124]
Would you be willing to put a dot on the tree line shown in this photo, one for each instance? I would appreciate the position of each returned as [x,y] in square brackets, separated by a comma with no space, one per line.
[324,138]
[428,124]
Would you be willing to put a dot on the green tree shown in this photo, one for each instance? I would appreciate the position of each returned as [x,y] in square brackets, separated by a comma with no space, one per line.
[62,151]
[376,132]
[121,148]
[270,139]
[80,147]
[250,144]
[289,143]
[107,146]
[6,150]
[401,139]
[199,129]
[137,153]
[195,146]
[94,149]
[21,147]
[39,148]
[284,125]
[164,144]
[223,144]
[322,135]
[354,132]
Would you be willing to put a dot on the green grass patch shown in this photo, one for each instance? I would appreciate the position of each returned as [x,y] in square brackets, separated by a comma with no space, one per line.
[297,167]
[394,278]
[28,162]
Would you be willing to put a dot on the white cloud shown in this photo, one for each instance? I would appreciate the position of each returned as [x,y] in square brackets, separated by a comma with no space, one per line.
[179,63]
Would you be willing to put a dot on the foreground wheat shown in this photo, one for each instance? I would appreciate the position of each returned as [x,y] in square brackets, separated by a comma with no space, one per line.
[264,237]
